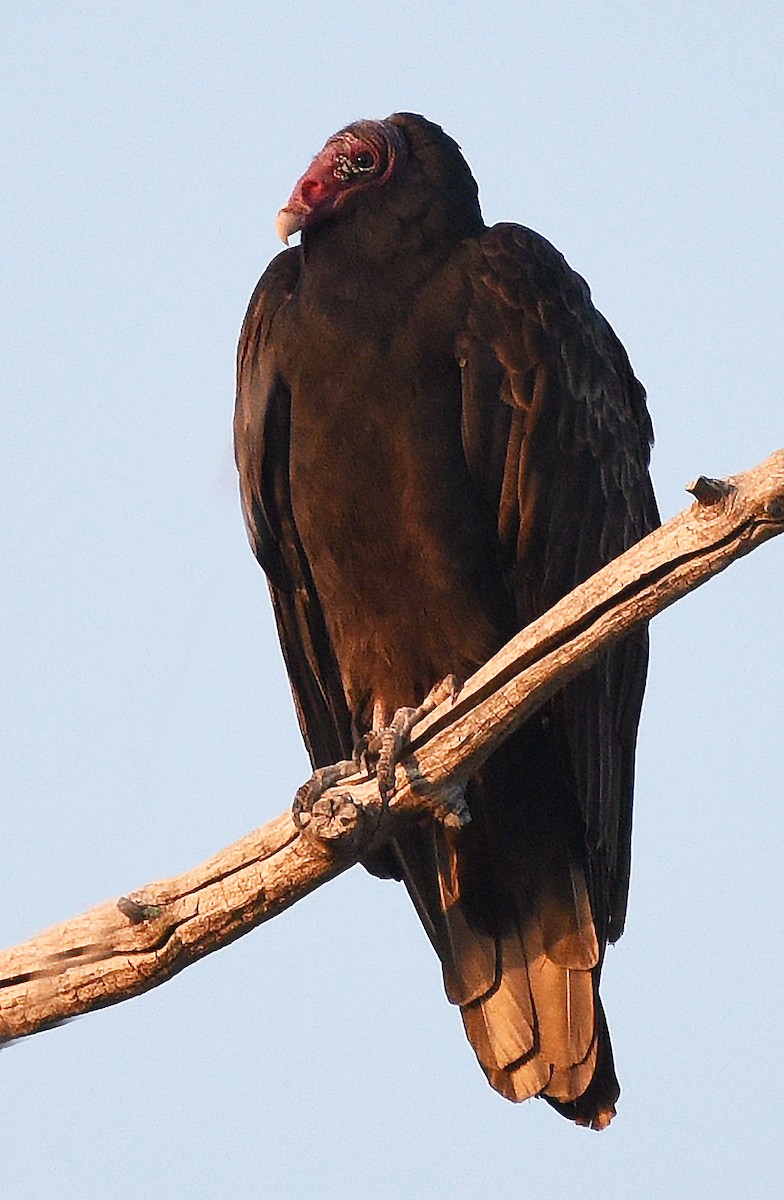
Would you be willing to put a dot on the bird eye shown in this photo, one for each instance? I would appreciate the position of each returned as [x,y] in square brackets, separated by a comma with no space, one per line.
[346,166]
[364,161]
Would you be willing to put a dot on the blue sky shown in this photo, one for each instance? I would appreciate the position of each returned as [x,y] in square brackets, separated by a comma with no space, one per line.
[146,717]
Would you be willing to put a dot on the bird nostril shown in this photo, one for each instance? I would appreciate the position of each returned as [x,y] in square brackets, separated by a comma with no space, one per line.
[312,191]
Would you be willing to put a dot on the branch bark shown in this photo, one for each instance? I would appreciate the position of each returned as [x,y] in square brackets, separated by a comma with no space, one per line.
[123,948]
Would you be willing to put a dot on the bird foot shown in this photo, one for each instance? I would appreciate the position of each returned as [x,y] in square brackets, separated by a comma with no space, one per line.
[321,780]
[380,751]
[388,745]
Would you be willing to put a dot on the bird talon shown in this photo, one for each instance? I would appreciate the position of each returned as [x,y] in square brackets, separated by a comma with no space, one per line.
[323,778]
[389,744]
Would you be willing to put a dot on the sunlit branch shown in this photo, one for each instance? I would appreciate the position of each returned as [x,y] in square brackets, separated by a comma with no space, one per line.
[128,946]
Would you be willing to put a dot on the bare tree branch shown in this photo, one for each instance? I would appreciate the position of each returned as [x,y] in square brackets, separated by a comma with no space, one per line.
[121,949]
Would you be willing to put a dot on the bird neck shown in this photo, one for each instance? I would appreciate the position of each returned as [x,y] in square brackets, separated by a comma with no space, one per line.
[370,267]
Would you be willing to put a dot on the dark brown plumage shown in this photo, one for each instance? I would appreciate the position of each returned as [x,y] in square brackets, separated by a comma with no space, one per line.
[438,436]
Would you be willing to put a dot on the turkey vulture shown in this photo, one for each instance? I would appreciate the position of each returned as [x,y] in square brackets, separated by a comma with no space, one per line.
[438,436]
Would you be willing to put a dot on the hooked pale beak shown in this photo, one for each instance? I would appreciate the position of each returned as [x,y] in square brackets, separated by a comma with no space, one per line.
[287,222]
[313,197]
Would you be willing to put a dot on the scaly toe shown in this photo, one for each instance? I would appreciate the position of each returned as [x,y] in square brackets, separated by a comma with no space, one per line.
[393,741]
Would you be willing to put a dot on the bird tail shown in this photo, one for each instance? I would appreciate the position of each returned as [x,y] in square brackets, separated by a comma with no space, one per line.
[540,1030]
[511,921]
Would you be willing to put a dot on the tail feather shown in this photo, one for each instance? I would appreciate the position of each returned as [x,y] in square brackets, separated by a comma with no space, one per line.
[501,1025]
[522,1080]
[507,907]
[564,1012]
[595,1106]
[568,933]
[535,1031]
[468,956]
[567,1083]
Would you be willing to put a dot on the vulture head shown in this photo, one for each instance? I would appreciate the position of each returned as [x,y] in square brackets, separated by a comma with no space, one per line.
[404,166]
[361,156]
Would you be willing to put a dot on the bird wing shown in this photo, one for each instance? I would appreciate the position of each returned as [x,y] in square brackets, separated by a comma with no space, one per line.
[261,440]
[557,437]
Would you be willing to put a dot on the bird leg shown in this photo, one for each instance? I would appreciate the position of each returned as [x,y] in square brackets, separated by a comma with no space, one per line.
[383,748]
[390,743]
